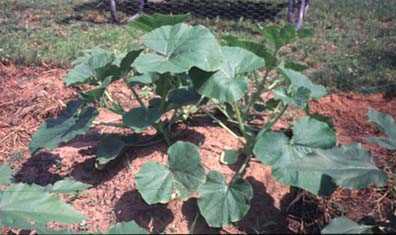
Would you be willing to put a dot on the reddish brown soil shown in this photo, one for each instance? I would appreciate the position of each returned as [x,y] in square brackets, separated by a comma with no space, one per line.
[30,95]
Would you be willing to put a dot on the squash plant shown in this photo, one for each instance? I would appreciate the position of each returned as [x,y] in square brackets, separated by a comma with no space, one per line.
[308,159]
[163,63]
[187,65]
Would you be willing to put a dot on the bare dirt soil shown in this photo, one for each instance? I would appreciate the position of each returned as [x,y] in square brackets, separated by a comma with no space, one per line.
[28,95]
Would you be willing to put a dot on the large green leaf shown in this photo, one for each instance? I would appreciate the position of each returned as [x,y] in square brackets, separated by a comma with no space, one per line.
[228,84]
[95,63]
[67,185]
[109,148]
[143,79]
[141,118]
[5,174]
[127,228]
[127,61]
[310,161]
[298,97]
[97,93]
[148,23]
[74,121]
[299,80]
[343,225]
[26,206]
[178,48]
[182,96]
[221,204]
[184,173]
[257,48]
[386,124]
[301,89]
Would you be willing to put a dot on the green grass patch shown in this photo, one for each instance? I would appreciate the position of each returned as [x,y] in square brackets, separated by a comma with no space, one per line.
[353,48]
[354,44]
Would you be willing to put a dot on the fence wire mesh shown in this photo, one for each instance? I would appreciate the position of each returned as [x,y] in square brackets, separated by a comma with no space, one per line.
[255,10]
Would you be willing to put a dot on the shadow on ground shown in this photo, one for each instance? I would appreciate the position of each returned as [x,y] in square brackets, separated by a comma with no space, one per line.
[131,206]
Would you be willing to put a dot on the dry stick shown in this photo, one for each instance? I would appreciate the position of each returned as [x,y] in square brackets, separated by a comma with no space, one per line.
[224,126]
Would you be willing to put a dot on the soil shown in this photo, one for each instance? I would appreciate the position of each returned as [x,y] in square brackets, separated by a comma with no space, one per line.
[28,95]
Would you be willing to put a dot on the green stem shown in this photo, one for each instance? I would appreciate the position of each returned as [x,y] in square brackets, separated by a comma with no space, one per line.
[138,97]
[248,140]
[271,123]
[259,91]
[240,121]
[160,128]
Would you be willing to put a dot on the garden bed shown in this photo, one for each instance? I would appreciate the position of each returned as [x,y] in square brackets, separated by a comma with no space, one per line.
[28,95]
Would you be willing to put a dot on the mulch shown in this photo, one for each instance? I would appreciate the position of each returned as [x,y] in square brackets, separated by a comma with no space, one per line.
[29,95]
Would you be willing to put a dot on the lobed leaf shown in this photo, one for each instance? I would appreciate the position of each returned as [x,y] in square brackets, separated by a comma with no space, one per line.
[67,185]
[141,118]
[221,204]
[386,124]
[228,84]
[180,97]
[343,225]
[97,93]
[310,161]
[109,148]
[184,173]
[178,48]
[5,174]
[299,80]
[143,79]
[27,206]
[95,63]
[127,228]
[74,121]
[257,48]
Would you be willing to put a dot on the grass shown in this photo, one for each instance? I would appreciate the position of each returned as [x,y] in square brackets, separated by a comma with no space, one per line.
[354,46]
[45,31]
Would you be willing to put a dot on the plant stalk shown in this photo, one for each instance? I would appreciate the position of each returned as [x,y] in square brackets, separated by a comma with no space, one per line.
[268,126]
[271,123]
[138,97]
[261,88]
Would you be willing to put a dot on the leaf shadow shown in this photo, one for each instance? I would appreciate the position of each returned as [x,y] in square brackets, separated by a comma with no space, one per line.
[87,173]
[37,170]
[195,220]
[131,206]
[263,216]
[303,211]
